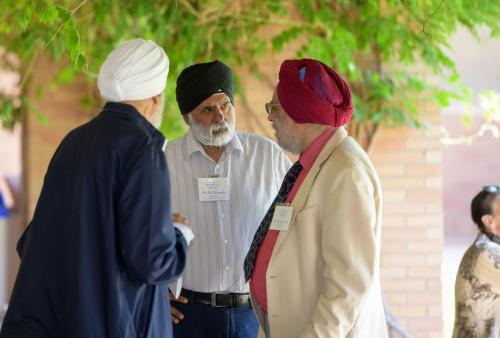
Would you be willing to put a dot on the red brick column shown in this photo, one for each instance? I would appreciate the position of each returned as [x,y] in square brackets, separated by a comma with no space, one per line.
[63,111]
[409,163]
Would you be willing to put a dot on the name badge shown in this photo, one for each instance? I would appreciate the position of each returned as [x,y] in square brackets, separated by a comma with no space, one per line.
[213,189]
[282,217]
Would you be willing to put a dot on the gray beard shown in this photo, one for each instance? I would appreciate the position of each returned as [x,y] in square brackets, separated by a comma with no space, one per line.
[286,140]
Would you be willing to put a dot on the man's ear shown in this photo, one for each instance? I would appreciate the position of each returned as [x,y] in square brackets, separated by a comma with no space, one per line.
[186,119]
[156,99]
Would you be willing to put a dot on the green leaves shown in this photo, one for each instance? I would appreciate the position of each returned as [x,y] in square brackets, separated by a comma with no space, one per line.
[285,37]
[73,45]
[26,16]
[467,120]
[372,44]
[6,110]
[49,14]
[442,98]
[63,13]
[10,110]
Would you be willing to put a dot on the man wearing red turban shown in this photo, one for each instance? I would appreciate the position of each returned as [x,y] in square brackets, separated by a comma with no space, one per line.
[314,261]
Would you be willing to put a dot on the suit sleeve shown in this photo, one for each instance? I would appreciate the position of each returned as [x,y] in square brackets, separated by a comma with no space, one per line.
[350,251]
[152,250]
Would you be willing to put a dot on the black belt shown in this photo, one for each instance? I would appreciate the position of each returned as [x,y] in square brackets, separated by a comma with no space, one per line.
[217,299]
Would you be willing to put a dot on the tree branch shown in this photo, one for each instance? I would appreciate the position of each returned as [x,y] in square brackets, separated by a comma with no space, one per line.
[62,25]
[430,17]
[29,69]
[190,8]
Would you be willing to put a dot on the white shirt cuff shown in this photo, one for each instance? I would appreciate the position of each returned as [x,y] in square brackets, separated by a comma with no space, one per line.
[186,232]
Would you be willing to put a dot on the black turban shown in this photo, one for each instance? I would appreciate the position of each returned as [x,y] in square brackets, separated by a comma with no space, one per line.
[200,81]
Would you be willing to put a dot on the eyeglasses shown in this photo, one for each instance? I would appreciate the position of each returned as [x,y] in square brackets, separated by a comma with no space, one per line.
[491,188]
[269,107]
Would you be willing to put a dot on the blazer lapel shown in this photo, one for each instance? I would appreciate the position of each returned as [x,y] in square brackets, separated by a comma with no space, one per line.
[305,188]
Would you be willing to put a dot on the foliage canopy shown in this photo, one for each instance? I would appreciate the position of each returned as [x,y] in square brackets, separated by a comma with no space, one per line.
[372,43]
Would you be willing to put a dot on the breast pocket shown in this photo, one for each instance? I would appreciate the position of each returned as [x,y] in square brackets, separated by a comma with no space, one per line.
[308,215]
[307,224]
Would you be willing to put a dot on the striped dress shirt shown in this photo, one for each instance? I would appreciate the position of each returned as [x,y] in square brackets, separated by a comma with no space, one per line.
[255,167]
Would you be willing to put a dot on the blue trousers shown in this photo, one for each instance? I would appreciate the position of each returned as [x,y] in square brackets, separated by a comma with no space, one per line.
[205,321]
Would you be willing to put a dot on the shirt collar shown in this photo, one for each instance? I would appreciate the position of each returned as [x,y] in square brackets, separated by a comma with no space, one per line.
[130,112]
[193,145]
[308,157]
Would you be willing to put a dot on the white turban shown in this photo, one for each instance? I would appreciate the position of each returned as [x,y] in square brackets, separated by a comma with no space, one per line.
[137,69]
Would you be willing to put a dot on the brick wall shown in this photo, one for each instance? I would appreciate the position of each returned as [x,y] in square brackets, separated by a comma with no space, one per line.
[409,164]
[63,112]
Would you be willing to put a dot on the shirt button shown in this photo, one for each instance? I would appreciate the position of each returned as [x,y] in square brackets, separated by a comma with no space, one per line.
[225,241]
[222,215]
[227,268]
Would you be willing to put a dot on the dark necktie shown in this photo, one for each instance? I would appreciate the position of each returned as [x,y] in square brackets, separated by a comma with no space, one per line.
[286,186]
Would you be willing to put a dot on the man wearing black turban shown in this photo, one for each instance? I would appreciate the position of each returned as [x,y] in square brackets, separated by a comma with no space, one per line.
[223,181]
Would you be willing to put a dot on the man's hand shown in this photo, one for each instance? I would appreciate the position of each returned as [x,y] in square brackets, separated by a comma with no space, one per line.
[177,316]
[177,217]
[181,224]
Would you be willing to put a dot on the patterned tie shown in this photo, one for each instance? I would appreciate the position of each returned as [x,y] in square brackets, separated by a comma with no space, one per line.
[286,186]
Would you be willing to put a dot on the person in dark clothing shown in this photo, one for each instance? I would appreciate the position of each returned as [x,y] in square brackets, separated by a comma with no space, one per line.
[102,246]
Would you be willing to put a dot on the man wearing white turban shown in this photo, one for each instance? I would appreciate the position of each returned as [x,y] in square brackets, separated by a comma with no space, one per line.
[102,244]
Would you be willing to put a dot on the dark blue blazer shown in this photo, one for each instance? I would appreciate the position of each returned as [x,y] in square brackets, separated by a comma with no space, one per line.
[101,248]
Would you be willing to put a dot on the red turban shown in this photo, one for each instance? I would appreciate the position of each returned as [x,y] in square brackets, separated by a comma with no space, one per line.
[311,92]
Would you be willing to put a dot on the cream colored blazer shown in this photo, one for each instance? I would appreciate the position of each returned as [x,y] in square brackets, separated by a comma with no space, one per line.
[323,277]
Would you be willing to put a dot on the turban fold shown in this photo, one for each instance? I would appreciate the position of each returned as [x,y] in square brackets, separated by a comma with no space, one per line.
[311,92]
[200,81]
[137,69]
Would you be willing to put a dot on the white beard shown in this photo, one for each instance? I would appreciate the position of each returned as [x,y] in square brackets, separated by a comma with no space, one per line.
[208,137]
[157,117]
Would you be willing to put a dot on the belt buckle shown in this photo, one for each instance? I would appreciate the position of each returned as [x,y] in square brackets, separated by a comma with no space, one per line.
[213,298]
[242,300]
